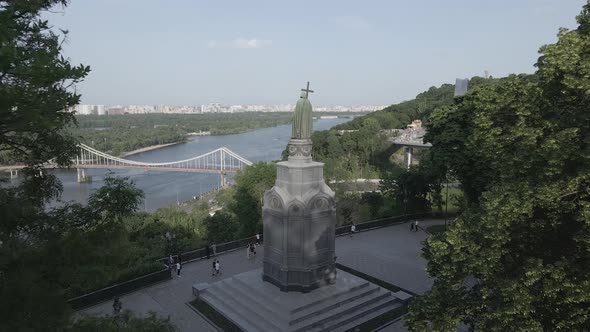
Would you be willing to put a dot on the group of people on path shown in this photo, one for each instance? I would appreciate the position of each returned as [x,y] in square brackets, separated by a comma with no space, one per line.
[251,247]
[251,250]
[211,250]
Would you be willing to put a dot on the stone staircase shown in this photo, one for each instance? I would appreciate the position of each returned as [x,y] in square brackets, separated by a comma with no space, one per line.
[256,307]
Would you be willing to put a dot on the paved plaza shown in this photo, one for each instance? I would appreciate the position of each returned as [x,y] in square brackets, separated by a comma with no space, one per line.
[390,253]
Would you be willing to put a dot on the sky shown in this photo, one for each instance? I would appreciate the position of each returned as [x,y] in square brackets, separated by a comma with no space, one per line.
[192,52]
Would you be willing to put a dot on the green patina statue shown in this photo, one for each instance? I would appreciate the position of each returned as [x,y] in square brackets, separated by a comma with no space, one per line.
[302,119]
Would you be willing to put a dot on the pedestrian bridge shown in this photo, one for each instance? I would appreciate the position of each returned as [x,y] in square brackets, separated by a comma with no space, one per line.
[221,160]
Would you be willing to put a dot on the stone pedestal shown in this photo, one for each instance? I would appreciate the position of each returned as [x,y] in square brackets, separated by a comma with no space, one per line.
[255,305]
[299,219]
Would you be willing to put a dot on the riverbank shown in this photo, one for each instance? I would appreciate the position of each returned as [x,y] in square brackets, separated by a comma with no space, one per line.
[149,148]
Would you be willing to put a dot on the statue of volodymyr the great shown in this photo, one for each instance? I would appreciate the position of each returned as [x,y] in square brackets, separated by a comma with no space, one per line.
[302,119]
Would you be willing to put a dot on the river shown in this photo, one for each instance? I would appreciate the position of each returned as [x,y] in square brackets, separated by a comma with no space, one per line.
[165,188]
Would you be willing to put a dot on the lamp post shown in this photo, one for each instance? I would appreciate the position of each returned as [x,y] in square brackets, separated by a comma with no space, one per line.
[447,202]
[170,241]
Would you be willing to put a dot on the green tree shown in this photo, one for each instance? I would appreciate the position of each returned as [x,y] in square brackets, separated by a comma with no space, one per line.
[347,208]
[46,256]
[251,183]
[375,201]
[410,189]
[126,321]
[221,227]
[36,93]
[518,258]
[117,198]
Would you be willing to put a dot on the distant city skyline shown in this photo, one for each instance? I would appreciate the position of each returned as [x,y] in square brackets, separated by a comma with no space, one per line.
[263,52]
[99,109]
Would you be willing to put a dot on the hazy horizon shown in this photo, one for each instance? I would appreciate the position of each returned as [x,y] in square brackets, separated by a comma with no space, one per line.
[263,52]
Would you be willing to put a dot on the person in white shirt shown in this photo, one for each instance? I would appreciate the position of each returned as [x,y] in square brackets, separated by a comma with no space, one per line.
[352,230]
[217,268]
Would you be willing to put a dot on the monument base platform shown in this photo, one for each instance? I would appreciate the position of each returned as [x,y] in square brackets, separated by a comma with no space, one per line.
[255,305]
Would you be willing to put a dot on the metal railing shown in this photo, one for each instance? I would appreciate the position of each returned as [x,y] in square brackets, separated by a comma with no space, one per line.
[125,287]
[377,223]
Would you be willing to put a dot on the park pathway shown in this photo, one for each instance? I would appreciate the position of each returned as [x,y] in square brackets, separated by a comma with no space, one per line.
[390,253]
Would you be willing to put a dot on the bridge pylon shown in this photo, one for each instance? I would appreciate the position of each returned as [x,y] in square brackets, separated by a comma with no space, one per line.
[408,159]
[82,176]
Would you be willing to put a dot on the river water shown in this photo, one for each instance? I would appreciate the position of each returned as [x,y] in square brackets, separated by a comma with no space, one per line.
[166,188]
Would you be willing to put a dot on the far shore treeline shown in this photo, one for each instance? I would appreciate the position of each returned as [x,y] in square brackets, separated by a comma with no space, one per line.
[117,134]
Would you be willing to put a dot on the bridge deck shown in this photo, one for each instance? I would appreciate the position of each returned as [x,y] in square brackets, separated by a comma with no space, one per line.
[221,160]
[151,168]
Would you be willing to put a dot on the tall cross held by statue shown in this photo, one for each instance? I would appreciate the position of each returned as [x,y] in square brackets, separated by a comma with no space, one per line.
[307,90]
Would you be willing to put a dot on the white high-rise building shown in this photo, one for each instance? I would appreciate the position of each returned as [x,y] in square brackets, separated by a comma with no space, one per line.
[84,109]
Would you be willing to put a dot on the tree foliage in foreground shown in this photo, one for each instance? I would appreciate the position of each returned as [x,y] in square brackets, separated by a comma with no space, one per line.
[49,256]
[36,90]
[35,85]
[123,322]
[519,258]
[251,183]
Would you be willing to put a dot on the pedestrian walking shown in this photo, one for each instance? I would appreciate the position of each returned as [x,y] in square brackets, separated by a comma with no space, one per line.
[213,268]
[352,230]
[217,268]
[214,247]
[253,249]
[412,226]
[416,226]
[257,239]
[248,251]
[178,268]
[207,251]
[117,306]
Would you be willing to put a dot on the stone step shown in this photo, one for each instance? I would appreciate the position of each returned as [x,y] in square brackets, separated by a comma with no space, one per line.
[244,309]
[263,297]
[251,299]
[341,299]
[319,322]
[228,311]
[329,298]
[366,316]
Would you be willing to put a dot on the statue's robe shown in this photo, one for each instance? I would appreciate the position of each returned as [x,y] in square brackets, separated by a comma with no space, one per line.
[302,120]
